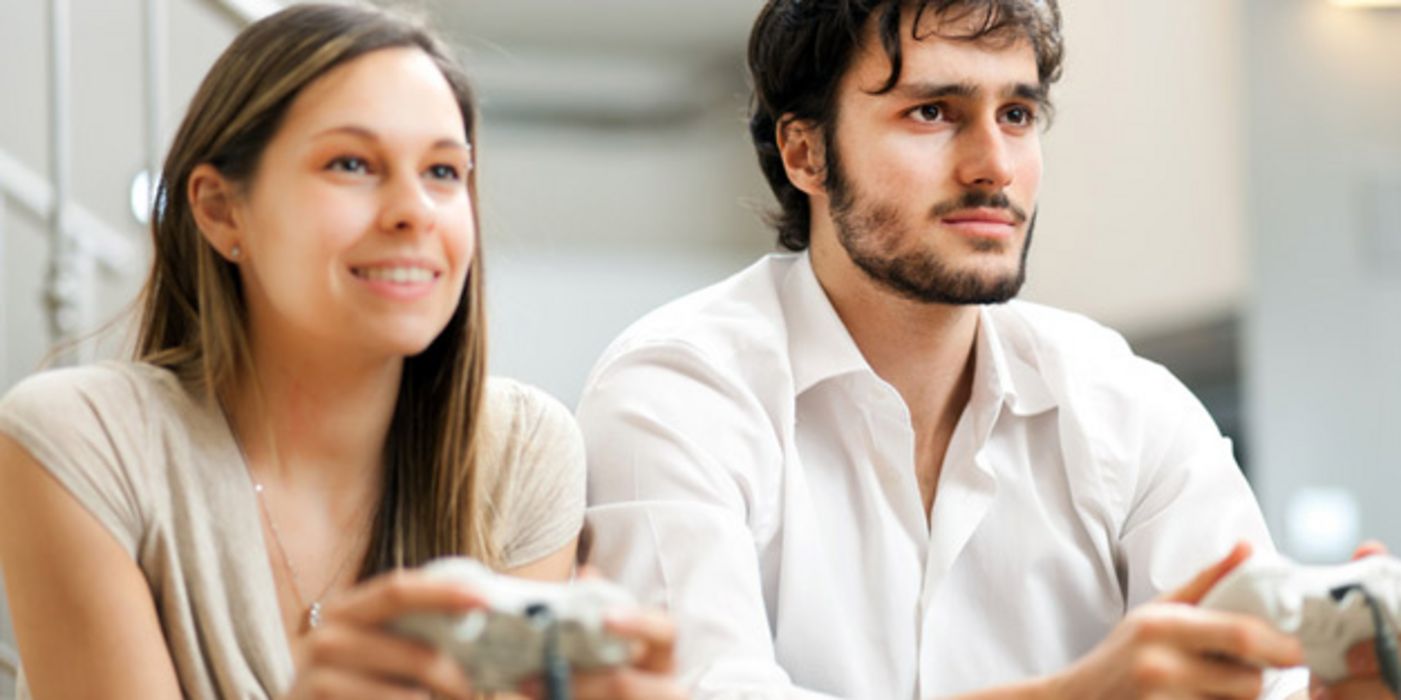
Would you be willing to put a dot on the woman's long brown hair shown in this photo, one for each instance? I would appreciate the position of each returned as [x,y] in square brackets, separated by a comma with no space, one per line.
[194,316]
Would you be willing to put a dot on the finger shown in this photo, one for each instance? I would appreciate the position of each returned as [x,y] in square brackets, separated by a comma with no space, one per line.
[1239,637]
[1223,678]
[1362,659]
[624,684]
[346,685]
[1356,689]
[379,654]
[1194,590]
[657,637]
[398,593]
[1368,548]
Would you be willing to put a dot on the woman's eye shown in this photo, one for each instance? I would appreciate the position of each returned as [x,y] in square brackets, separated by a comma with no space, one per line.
[444,172]
[928,113]
[349,164]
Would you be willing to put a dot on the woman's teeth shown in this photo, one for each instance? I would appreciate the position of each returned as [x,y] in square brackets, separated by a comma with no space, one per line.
[395,275]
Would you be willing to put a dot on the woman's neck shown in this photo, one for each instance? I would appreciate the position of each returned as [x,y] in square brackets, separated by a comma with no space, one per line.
[315,418]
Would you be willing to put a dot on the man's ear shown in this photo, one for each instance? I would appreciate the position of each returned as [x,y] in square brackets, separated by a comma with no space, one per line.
[213,201]
[804,152]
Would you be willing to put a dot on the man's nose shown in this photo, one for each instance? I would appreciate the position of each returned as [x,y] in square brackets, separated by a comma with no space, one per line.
[984,160]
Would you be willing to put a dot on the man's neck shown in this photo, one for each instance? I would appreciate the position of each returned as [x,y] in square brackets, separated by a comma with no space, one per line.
[926,351]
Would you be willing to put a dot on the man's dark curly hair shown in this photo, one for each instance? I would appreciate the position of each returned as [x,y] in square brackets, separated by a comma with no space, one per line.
[800,49]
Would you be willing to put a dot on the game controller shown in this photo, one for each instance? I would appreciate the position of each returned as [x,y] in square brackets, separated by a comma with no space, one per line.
[1328,608]
[523,626]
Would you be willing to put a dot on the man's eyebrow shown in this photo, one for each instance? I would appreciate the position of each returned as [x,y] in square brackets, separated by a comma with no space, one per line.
[934,91]
[1029,92]
[369,135]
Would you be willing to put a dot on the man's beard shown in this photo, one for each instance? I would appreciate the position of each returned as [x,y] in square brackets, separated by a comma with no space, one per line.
[867,230]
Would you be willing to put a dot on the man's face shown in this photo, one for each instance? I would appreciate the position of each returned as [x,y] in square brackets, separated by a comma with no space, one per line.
[933,185]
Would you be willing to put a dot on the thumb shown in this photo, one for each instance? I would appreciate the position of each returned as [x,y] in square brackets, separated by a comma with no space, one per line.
[1192,592]
[1368,548]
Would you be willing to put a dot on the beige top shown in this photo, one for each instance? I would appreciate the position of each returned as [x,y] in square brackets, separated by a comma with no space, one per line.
[161,471]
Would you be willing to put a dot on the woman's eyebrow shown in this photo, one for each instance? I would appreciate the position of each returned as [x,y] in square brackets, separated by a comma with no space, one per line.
[368,134]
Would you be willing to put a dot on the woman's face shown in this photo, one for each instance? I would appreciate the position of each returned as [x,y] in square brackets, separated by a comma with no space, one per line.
[358,226]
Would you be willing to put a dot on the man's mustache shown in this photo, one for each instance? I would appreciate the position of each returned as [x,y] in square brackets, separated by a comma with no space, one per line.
[978,199]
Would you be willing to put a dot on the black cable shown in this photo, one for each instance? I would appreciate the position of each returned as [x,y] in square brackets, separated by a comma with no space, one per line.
[1385,645]
[556,667]
[1388,658]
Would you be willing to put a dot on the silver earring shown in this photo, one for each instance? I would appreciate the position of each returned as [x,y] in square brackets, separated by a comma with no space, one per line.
[235,252]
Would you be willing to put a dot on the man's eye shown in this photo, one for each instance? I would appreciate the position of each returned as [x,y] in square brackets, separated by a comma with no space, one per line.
[444,172]
[349,164]
[1020,116]
[928,113]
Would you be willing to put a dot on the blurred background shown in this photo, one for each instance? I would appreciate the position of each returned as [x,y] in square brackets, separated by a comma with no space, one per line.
[1223,186]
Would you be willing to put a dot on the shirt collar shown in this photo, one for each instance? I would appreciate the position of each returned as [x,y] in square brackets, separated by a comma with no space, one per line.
[820,347]
[1006,365]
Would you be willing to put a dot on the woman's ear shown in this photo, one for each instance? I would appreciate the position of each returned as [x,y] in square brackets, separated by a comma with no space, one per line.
[213,202]
[804,154]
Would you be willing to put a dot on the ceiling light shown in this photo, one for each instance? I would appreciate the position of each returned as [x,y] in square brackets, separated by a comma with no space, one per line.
[1366,3]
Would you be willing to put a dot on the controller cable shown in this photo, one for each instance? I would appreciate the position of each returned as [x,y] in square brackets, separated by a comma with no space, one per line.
[556,675]
[1388,656]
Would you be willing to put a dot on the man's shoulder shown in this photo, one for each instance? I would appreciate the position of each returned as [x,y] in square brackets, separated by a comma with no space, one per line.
[1075,355]
[732,325]
[1059,331]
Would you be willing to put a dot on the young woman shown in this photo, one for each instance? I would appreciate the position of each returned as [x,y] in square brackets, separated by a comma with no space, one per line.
[237,512]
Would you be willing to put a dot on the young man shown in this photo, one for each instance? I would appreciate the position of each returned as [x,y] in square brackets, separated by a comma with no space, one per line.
[854,471]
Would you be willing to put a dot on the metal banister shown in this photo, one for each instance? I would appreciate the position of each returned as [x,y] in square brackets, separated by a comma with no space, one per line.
[79,242]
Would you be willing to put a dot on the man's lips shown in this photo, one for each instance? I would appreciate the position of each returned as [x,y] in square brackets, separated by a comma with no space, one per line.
[1000,217]
[983,223]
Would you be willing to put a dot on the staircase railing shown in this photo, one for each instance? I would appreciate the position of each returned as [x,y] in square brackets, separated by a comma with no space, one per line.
[80,243]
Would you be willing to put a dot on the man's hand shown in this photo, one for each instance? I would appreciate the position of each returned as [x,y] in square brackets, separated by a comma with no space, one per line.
[1364,680]
[1171,648]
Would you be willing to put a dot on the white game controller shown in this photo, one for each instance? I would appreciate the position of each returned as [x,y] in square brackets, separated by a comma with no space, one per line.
[1324,606]
[506,643]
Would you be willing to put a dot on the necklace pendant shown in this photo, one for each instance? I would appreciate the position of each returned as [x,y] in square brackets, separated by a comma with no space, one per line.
[313,615]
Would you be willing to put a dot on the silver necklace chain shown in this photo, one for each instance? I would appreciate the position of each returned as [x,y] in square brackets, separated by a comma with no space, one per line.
[313,611]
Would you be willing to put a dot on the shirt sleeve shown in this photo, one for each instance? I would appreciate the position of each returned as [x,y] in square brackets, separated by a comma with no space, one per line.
[542,455]
[677,454]
[1190,505]
[81,426]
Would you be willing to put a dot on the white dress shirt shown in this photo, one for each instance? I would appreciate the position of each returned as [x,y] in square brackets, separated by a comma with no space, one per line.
[750,473]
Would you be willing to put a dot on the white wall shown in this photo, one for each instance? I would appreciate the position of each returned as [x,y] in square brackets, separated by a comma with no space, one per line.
[1324,351]
[1142,221]
[588,229]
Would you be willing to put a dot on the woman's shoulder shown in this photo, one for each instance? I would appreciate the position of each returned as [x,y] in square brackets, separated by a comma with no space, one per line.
[102,431]
[528,435]
[533,452]
[112,388]
[514,411]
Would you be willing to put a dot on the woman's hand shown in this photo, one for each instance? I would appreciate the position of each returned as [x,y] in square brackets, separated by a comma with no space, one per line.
[647,676]
[352,655]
